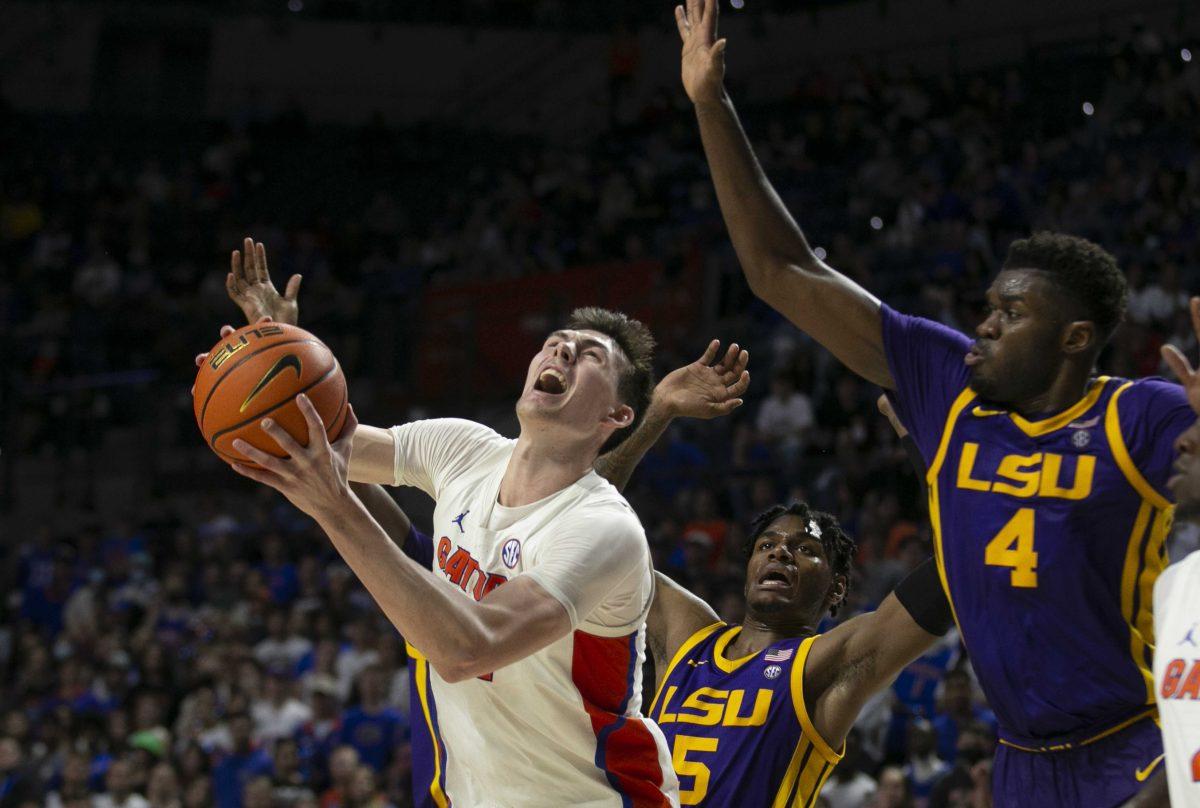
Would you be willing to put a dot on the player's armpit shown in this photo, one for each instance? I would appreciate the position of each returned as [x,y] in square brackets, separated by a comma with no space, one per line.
[373,458]
[675,615]
[856,659]
[513,621]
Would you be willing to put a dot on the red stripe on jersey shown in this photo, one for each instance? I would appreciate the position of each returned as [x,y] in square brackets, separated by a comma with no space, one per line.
[602,669]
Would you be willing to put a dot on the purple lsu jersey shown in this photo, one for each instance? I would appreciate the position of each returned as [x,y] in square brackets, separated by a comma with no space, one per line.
[738,729]
[1049,535]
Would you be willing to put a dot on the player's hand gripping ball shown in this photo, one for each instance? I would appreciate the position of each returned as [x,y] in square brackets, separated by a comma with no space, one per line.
[256,372]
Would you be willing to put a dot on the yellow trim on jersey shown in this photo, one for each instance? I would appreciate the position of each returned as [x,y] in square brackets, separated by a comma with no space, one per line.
[1036,428]
[723,662]
[1141,571]
[1062,747]
[1112,428]
[806,724]
[422,677]
[931,478]
[688,644]
[805,775]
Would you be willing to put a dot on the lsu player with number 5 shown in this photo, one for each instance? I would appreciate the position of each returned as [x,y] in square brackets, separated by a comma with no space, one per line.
[1047,483]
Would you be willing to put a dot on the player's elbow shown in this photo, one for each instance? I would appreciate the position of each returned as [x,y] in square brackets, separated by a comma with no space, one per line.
[463,665]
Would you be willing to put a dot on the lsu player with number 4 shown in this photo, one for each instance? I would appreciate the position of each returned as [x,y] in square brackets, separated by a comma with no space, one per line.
[1047,483]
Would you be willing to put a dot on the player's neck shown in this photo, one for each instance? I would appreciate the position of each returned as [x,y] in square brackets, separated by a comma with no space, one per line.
[540,467]
[1068,387]
[757,634]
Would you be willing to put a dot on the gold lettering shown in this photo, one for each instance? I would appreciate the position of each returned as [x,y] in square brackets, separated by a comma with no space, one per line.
[966,465]
[1014,467]
[762,703]
[708,713]
[663,716]
[1085,470]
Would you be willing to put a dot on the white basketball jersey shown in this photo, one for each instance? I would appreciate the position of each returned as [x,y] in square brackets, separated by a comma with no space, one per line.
[1177,675]
[564,725]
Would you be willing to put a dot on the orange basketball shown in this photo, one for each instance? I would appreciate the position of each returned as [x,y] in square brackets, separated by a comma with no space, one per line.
[257,371]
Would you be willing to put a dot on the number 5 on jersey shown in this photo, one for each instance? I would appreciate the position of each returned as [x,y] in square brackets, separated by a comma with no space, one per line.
[1013,547]
[692,768]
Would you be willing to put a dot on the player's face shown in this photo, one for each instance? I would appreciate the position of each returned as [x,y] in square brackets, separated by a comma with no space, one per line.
[788,571]
[1017,354]
[572,382]
[1185,485]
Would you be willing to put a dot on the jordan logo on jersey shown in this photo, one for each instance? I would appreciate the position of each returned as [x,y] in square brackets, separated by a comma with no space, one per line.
[459,519]
[1190,637]
[464,571]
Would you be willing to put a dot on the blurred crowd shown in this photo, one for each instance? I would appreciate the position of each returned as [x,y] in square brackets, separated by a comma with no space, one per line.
[212,650]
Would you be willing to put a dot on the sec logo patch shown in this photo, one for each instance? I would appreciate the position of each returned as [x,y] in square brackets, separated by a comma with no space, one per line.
[510,554]
[772,672]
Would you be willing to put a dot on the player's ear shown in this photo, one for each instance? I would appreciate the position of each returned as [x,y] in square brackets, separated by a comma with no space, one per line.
[837,590]
[621,417]
[1079,336]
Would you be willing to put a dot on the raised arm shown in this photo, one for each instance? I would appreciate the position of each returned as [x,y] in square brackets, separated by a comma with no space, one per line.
[250,288]
[779,265]
[675,614]
[700,389]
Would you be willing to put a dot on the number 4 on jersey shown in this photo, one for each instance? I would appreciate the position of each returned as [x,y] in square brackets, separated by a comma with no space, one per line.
[1013,547]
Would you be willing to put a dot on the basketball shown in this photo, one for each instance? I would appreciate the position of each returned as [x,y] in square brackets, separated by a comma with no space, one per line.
[257,371]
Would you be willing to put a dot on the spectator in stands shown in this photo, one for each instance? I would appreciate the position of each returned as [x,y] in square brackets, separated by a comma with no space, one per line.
[243,763]
[372,727]
[922,767]
[957,708]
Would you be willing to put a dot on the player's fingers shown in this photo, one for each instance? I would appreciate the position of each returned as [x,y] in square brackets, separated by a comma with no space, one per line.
[695,13]
[740,386]
[726,407]
[237,271]
[226,330]
[248,259]
[200,359]
[266,318]
[346,440]
[1195,307]
[231,287]
[1178,363]
[258,475]
[260,263]
[681,22]
[743,359]
[280,435]
[270,462]
[293,288]
[317,436]
[711,11]
[884,404]
[710,353]
[718,50]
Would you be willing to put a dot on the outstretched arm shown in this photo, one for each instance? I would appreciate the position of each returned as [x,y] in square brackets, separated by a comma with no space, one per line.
[779,265]
[697,390]
[250,288]
[675,614]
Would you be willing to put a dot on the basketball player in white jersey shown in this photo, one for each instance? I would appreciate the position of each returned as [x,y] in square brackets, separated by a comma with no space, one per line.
[1177,610]
[534,617]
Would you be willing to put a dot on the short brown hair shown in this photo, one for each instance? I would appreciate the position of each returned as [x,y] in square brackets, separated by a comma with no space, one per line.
[635,381]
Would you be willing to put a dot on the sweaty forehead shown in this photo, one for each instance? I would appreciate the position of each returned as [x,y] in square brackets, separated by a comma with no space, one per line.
[1034,287]
[584,335]
[791,526]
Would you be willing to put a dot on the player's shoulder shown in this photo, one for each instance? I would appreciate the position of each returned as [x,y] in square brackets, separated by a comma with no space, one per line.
[1153,393]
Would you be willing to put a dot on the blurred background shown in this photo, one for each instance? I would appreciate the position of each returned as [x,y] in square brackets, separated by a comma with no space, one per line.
[452,179]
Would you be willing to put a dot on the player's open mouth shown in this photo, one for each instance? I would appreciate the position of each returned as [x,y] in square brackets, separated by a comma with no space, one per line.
[774,579]
[551,381]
